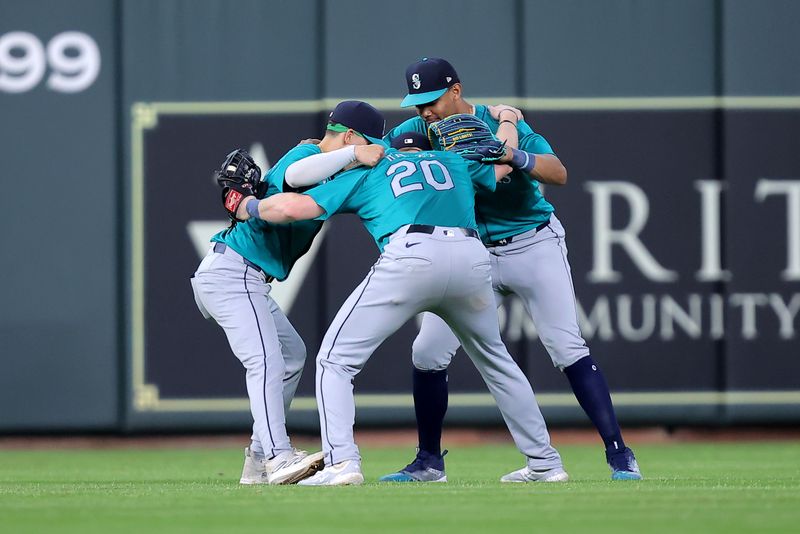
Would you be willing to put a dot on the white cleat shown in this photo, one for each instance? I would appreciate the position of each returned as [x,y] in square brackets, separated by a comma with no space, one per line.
[347,473]
[286,468]
[254,470]
[526,474]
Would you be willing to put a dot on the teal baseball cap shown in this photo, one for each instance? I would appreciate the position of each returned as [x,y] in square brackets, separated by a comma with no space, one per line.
[428,79]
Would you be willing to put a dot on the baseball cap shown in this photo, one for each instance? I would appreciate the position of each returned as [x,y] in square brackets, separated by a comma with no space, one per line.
[411,140]
[361,117]
[428,79]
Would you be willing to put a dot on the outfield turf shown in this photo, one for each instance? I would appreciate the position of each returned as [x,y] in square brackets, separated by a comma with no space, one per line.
[719,487]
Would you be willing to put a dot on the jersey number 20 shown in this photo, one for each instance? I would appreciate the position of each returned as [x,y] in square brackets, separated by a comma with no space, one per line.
[404,169]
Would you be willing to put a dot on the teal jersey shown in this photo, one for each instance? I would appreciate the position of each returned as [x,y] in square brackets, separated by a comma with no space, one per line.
[274,247]
[517,205]
[434,188]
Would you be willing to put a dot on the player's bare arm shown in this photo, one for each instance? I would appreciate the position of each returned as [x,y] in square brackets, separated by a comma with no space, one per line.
[507,131]
[544,168]
[279,209]
[501,171]
[508,117]
[547,168]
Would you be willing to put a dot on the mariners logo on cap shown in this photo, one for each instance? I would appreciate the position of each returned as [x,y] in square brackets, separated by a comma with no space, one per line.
[415,81]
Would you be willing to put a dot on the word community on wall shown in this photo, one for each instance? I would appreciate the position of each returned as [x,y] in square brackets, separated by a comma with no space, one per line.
[645,317]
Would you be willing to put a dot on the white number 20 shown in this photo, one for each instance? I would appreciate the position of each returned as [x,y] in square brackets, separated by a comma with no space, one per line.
[407,168]
[73,57]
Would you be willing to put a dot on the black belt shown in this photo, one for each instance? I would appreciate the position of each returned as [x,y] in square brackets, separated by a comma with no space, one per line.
[428,229]
[220,248]
[509,239]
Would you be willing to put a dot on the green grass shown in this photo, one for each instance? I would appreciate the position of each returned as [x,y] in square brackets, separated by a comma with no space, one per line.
[743,487]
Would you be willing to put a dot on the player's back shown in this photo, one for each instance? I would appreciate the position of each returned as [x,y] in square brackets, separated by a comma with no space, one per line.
[430,187]
[518,204]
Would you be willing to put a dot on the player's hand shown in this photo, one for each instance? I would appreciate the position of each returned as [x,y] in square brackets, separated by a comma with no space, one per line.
[508,113]
[310,141]
[369,155]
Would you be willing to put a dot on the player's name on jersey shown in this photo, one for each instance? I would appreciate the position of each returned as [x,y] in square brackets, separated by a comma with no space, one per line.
[664,317]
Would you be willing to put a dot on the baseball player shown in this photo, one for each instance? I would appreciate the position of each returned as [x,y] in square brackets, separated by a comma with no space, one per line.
[419,208]
[232,285]
[529,259]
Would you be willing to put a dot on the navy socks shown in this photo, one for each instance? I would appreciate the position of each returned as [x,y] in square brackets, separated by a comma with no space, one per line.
[430,405]
[591,390]
[585,377]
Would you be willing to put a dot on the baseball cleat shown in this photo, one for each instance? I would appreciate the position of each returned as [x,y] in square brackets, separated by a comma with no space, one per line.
[623,465]
[286,468]
[426,467]
[254,471]
[526,474]
[347,473]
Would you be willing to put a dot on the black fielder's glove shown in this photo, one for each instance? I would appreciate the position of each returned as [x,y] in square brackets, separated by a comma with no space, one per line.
[488,152]
[239,177]
[467,136]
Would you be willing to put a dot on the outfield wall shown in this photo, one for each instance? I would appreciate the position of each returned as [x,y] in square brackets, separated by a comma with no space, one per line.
[678,122]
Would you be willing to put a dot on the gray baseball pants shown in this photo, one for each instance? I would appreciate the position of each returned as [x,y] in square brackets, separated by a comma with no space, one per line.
[447,273]
[231,292]
[534,267]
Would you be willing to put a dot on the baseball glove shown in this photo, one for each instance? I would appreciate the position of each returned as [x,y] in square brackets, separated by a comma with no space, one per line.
[239,177]
[467,136]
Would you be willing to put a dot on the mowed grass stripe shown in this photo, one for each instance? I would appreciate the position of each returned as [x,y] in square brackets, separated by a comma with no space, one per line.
[719,487]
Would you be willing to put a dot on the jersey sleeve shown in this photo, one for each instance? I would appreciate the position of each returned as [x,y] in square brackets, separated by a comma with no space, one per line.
[275,176]
[414,124]
[337,195]
[482,176]
[531,141]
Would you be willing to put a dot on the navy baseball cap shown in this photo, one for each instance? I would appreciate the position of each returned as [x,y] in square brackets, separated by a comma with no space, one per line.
[411,140]
[428,79]
[361,117]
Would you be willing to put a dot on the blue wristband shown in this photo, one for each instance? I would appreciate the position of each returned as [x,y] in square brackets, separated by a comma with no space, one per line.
[252,208]
[524,161]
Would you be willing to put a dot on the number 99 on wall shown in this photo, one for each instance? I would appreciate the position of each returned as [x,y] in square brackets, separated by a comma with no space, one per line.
[73,58]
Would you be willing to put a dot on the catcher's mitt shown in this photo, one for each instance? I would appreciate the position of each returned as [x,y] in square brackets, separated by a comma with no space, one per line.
[239,177]
[467,136]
